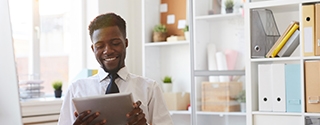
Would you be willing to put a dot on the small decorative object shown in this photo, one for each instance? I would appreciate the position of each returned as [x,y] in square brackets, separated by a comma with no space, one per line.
[241,98]
[229,6]
[186,32]
[57,86]
[159,33]
[167,84]
[215,7]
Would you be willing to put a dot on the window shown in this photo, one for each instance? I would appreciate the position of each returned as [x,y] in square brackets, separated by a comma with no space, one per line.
[45,32]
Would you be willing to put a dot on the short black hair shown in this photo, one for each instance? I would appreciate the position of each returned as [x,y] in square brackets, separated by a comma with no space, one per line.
[106,20]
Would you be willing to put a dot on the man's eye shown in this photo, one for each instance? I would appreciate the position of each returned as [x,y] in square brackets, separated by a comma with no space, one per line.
[118,42]
[98,46]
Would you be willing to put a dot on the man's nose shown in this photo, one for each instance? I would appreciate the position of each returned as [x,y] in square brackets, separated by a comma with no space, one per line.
[107,49]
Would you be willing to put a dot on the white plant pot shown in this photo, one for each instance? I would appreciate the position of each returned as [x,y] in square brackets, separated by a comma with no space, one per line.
[187,35]
[243,107]
[167,87]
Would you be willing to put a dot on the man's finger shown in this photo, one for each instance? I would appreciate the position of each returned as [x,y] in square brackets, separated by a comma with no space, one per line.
[91,117]
[142,122]
[81,116]
[137,104]
[84,114]
[137,119]
[134,112]
[102,122]
[76,114]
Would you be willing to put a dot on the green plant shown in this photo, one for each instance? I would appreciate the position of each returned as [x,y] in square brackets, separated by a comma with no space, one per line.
[186,28]
[241,97]
[167,79]
[160,28]
[229,4]
[57,85]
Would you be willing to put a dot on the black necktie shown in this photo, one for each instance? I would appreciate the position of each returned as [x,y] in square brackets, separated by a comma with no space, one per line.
[112,87]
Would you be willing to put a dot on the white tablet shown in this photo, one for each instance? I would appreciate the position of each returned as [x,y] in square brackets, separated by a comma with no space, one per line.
[112,107]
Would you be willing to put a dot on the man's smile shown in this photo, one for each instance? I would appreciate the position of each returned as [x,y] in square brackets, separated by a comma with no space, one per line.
[110,59]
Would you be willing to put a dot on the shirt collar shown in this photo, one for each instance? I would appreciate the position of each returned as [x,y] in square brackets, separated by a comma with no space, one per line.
[123,72]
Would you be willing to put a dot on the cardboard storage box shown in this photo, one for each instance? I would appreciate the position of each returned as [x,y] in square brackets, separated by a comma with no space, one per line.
[220,96]
[312,86]
[177,100]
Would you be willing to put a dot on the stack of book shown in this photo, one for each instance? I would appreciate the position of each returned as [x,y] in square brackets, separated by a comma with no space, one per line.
[287,42]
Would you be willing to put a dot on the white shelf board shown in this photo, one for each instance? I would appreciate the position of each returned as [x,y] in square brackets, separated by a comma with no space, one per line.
[165,43]
[277,113]
[222,113]
[310,1]
[218,72]
[311,58]
[218,16]
[276,59]
[180,112]
[312,114]
[276,5]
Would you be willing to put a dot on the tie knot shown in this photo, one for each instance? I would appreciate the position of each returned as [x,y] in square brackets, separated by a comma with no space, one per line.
[113,76]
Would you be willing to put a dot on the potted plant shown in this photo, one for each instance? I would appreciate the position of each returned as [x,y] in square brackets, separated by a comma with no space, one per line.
[57,86]
[229,6]
[167,84]
[159,33]
[241,98]
[186,32]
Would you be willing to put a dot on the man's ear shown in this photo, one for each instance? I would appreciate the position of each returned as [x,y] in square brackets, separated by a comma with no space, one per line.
[92,48]
[126,43]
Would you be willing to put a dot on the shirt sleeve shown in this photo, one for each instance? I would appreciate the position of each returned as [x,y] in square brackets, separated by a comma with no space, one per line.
[67,110]
[158,111]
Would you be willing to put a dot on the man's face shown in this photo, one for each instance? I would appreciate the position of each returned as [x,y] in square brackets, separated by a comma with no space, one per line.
[109,47]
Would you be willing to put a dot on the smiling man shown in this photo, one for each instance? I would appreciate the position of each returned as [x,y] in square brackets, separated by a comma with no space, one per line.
[109,43]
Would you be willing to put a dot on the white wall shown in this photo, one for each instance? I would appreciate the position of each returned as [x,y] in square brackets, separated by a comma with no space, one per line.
[10,112]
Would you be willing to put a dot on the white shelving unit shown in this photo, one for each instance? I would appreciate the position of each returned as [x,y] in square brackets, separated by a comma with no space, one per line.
[165,58]
[226,31]
[284,12]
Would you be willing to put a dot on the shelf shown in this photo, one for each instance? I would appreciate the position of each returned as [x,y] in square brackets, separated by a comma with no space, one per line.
[219,72]
[165,43]
[218,16]
[277,113]
[312,114]
[276,59]
[276,5]
[180,112]
[310,1]
[311,58]
[222,33]
[222,113]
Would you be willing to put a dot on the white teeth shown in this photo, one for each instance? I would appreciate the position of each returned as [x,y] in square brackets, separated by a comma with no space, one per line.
[110,59]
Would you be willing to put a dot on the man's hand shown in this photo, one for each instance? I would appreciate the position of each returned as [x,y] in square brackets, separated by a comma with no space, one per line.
[136,116]
[85,118]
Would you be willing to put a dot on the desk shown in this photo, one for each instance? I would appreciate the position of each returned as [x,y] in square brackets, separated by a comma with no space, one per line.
[44,111]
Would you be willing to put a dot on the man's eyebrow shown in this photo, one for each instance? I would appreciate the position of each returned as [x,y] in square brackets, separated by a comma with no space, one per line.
[97,42]
[113,39]
[110,40]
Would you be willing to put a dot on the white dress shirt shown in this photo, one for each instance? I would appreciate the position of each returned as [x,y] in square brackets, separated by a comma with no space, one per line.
[143,89]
